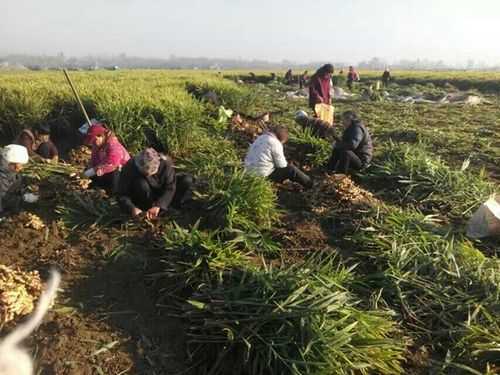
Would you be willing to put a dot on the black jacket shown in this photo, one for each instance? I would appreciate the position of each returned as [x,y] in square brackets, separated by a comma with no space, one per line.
[162,184]
[357,138]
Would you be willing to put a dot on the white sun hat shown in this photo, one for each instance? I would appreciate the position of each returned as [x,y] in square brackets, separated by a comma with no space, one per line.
[15,154]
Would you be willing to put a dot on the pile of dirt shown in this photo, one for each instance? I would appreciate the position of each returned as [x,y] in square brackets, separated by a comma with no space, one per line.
[18,292]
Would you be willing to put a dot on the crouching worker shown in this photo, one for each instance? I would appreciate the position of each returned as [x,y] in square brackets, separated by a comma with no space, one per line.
[37,142]
[108,157]
[149,184]
[266,158]
[319,128]
[12,160]
[355,150]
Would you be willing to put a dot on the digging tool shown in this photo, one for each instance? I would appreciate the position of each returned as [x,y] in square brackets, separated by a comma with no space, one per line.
[73,88]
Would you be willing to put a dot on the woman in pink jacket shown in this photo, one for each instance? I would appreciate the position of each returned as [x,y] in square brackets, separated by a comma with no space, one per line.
[108,157]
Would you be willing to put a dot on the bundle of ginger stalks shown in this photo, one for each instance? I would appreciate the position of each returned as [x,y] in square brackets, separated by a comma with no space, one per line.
[18,293]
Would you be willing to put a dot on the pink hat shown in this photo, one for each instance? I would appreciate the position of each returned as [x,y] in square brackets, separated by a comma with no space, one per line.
[94,131]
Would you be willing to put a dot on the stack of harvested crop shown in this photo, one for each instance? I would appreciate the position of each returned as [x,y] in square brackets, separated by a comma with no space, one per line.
[349,192]
[79,156]
[249,127]
[335,190]
[31,221]
[18,292]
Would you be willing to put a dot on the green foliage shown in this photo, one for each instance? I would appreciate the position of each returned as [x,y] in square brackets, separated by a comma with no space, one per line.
[423,178]
[296,320]
[442,286]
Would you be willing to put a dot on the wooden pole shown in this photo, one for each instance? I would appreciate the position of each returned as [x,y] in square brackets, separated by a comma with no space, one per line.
[77,97]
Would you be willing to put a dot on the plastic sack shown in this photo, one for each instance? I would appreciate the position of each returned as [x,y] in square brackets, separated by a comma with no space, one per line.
[324,112]
[84,129]
[486,220]
[30,198]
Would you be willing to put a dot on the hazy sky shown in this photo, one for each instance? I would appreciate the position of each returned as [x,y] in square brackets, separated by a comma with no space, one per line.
[349,30]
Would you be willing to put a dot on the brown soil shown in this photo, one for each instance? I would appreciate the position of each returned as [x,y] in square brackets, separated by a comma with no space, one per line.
[104,321]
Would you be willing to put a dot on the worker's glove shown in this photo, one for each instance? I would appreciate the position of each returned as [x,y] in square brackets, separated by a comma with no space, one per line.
[89,173]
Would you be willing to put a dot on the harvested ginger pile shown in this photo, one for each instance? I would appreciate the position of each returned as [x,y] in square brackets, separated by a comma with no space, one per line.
[32,221]
[18,292]
[339,190]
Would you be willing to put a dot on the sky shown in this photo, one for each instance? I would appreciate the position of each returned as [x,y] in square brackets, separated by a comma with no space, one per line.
[296,30]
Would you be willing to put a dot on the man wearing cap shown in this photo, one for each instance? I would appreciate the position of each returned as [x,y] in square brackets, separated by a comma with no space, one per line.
[12,160]
[149,185]
[37,141]
[108,157]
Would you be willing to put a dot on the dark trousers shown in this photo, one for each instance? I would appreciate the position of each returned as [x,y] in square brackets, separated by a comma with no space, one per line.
[108,182]
[349,84]
[292,173]
[143,196]
[342,161]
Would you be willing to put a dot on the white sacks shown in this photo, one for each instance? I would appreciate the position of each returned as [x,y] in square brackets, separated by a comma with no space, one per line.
[486,220]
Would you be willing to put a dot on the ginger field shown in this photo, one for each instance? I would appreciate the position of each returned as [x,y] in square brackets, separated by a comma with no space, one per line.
[365,275]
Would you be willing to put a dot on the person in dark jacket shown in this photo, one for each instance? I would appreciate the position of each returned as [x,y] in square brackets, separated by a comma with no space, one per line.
[355,149]
[149,184]
[320,85]
[304,79]
[288,77]
[37,142]
[386,77]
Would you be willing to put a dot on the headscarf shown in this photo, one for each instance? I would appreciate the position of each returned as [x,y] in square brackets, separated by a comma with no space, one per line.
[148,162]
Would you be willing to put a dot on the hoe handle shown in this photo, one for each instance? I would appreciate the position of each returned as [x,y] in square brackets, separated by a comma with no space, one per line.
[77,97]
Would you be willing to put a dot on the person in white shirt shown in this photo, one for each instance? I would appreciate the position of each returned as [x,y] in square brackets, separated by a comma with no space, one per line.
[267,159]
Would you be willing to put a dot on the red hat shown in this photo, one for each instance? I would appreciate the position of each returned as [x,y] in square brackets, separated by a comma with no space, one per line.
[94,131]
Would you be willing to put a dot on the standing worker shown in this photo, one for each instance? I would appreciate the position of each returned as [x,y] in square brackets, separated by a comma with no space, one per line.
[12,160]
[289,77]
[108,157]
[386,77]
[266,158]
[355,149]
[320,86]
[352,76]
[304,79]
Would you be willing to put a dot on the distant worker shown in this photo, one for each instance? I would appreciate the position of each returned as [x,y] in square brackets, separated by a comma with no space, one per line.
[37,142]
[266,158]
[320,86]
[108,157]
[149,185]
[355,150]
[352,76]
[318,127]
[12,160]
[304,79]
[289,77]
[386,77]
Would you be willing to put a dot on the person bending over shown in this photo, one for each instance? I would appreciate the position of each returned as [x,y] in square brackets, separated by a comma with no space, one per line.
[12,160]
[355,149]
[319,128]
[37,142]
[108,157]
[266,158]
[149,184]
